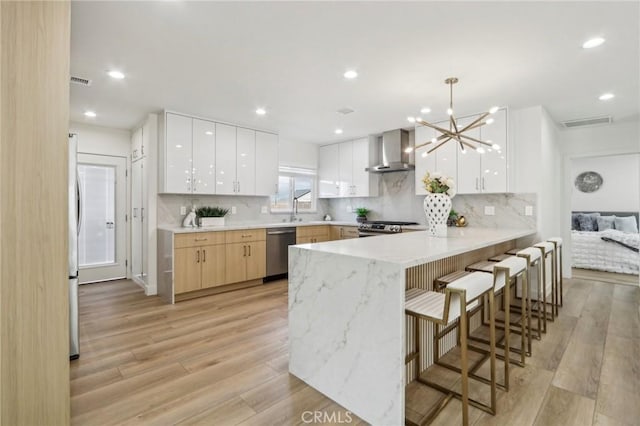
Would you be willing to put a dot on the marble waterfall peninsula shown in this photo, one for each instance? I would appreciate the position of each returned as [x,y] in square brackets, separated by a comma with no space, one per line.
[347,334]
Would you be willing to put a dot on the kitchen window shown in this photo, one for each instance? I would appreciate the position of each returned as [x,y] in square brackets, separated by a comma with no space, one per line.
[295,185]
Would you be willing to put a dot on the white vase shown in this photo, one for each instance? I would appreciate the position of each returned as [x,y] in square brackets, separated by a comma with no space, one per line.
[437,208]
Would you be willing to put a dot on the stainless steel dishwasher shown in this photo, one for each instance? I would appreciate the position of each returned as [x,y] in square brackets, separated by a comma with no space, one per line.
[278,242]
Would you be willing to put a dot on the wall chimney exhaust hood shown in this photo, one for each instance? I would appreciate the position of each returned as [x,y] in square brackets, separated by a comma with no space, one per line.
[393,155]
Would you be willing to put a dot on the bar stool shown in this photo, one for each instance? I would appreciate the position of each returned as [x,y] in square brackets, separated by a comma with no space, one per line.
[547,251]
[533,257]
[505,276]
[442,309]
[557,242]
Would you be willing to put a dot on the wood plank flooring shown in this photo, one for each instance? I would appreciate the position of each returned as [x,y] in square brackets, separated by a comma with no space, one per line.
[222,360]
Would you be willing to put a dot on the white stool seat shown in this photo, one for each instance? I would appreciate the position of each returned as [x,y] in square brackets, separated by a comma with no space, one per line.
[412,293]
[514,265]
[475,284]
[547,246]
[431,304]
[531,252]
[556,240]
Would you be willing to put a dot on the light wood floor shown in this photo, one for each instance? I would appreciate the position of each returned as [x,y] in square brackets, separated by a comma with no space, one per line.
[607,277]
[222,360]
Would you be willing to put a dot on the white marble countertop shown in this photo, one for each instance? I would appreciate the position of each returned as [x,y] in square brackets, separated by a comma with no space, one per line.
[240,226]
[415,248]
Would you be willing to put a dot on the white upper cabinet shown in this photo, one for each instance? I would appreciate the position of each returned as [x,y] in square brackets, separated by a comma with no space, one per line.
[424,163]
[246,161]
[345,174]
[328,171]
[178,154]
[266,163]
[136,144]
[341,169]
[199,156]
[364,184]
[204,157]
[225,159]
[486,172]
[494,176]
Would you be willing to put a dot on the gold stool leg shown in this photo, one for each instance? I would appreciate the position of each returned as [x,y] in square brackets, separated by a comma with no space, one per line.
[506,299]
[561,278]
[464,363]
[492,348]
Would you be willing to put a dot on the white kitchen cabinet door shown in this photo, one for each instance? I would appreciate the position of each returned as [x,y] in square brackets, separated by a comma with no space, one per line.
[266,163]
[468,163]
[178,154]
[345,165]
[225,164]
[424,163]
[328,171]
[204,157]
[136,223]
[246,162]
[361,180]
[136,144]
[493,175]
[144,213]
[446,159]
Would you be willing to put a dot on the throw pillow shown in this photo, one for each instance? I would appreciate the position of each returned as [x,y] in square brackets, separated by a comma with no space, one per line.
[588,222]
[575,225]
[605,222]
[626,224]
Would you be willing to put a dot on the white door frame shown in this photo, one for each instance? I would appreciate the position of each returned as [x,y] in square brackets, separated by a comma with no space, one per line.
[117,270]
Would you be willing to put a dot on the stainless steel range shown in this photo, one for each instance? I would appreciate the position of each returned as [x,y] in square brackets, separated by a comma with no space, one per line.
[381,227]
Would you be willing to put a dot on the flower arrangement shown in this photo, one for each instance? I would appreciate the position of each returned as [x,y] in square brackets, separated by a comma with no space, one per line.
[436,183]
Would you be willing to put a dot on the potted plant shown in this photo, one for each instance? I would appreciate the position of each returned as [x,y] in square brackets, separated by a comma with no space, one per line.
[361,213]
[211,216]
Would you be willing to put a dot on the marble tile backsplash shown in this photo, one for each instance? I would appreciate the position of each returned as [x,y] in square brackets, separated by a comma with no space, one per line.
[248,209]
[397,201]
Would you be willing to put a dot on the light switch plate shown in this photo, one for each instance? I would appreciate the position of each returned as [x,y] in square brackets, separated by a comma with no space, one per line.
[183,209]
[233,210]
[264,209]
[489,211]
[528,210]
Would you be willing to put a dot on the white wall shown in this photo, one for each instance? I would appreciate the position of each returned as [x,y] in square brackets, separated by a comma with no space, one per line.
[620,187]
[102,140]
[298,154]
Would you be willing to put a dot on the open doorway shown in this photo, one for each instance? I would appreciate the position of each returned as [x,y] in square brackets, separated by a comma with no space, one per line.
[605,201]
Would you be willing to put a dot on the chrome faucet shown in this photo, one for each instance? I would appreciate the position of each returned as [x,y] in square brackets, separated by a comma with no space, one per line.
[294,210]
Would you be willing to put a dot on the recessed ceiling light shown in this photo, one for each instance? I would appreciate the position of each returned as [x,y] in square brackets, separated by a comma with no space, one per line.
[261,111]
[606,96]
[411,119]
[338,131]
[350,74]
[425,110]
[594,42]
[208,132]
[116,74]
[90,114]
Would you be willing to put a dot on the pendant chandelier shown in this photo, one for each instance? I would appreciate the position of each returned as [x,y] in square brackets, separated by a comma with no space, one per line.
[456,132]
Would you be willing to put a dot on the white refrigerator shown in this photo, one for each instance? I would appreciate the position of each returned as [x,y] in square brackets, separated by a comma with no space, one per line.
[74,229]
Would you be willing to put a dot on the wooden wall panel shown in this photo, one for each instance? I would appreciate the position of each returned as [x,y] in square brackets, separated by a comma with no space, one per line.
[34,120]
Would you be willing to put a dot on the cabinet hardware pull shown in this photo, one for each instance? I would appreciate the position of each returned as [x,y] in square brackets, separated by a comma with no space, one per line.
[249,250]
[238,186]
[477,184]
[197,256]
[201,239]
[204,256]
[483,183]
[245,251]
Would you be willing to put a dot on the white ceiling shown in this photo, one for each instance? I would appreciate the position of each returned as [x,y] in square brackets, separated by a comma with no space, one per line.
[223,60]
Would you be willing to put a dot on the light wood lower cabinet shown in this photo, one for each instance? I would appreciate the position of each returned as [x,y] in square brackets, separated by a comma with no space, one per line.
[343,232]
[199,267]
[203,260]
[246,255]
[312,234]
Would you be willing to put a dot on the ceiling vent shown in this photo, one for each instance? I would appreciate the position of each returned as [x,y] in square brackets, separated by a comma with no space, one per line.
[593,121]
[345,110]
[80,81]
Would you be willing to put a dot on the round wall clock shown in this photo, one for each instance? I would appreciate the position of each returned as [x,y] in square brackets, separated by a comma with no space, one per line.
[588,182]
